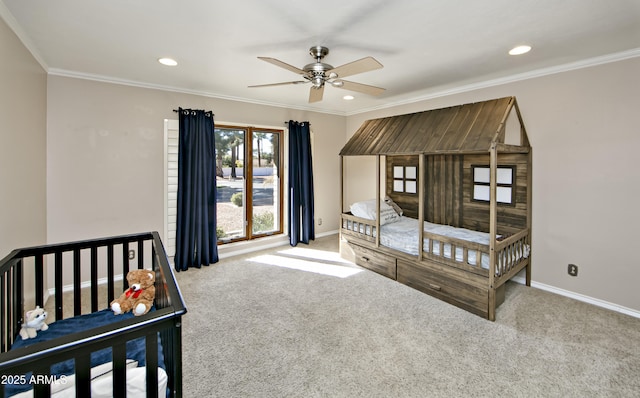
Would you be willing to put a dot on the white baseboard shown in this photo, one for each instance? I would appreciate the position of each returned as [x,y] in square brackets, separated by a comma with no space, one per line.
[580,297]
[83,285]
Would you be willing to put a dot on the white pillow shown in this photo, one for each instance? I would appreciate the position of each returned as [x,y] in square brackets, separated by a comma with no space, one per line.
[393,204]
[367,209]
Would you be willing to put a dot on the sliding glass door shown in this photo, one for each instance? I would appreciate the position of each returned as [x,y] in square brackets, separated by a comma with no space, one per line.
[249,182]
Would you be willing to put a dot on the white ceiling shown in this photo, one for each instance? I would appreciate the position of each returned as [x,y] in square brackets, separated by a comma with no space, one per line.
[427,47]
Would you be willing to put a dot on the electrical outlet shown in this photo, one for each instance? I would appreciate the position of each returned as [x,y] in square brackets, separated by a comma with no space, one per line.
[319,221]
[572,270]
[132,254]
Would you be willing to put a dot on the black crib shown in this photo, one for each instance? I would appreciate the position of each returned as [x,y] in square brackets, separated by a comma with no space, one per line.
[89,266]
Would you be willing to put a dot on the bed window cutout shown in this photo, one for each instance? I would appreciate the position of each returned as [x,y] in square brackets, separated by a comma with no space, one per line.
[505,186]
[405,179]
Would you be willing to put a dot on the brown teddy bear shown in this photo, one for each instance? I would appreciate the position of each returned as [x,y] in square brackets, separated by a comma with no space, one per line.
[33,321]
[140,295]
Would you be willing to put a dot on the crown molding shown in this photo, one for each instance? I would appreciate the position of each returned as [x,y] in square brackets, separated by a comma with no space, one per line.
[586,63]
[135,83]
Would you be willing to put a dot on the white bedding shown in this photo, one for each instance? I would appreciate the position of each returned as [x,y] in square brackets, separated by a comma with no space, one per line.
[101,383]
[403,235]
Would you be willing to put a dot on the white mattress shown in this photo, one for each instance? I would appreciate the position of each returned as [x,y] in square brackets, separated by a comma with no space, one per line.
[403,235]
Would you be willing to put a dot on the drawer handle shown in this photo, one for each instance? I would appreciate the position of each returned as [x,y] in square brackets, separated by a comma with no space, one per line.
[365,258]
[434,287]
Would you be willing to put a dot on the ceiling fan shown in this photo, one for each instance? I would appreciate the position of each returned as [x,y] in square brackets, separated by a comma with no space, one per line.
[319,73]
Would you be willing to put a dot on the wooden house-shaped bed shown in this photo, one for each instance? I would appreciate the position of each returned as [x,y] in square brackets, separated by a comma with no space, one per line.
[464,174]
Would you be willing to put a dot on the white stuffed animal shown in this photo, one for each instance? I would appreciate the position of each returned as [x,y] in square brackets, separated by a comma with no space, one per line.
[34,321]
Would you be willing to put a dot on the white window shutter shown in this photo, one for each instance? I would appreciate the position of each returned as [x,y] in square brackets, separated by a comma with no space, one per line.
[171,185]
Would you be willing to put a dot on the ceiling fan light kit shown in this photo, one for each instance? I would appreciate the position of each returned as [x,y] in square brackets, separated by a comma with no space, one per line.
[319,73]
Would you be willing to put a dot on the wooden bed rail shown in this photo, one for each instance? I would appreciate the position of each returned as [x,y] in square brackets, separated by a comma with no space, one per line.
[358,227]
[456,252]
[512,255]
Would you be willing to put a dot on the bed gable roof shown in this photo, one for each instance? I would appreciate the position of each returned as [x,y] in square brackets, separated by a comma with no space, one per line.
[469,128]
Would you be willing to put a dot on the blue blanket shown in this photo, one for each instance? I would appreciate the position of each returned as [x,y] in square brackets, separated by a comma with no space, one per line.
[135,348]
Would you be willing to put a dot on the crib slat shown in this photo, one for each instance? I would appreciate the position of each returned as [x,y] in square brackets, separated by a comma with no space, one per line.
[140,254]
[39,270]
[3,318]
[58,285]
[10,308]
[77,301]
[119,352]
[110,274]
[151,348]
[41,390]
[17,310]
[94,279]
[125,264]
[83,374]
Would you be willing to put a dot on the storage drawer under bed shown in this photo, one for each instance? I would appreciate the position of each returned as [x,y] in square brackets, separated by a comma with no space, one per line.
[435,283]
[375,261]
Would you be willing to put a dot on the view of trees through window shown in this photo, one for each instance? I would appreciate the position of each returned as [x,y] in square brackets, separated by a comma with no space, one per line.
[249,182]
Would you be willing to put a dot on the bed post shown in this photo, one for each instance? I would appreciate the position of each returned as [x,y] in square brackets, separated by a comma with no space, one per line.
[341,184]
[529,213]
[493,211]
[377,200]
[421,188]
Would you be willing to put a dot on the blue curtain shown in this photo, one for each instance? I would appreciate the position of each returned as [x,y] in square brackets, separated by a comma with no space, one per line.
[196,241]
[301,225]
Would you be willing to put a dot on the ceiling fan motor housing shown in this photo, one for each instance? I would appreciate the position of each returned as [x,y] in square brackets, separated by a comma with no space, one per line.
[316,72]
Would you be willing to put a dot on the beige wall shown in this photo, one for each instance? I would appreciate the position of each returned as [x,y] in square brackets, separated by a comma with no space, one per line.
[106,155]
[583,126]
[23,112]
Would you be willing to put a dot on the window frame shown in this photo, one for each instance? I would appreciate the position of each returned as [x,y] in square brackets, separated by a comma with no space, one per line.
[248,190]
[487,183]
[403,179]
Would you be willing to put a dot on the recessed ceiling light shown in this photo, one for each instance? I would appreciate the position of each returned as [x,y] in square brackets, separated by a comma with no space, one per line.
[520,50]
[168,61]
[348,97]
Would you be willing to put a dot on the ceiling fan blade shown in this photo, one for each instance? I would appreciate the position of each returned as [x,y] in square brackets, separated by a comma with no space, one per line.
[279,84]
[355,67]
[284,65]
[315,93]
[361,88]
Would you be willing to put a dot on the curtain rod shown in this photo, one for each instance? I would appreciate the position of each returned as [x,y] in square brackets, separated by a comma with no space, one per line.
[211,112]
[287,122]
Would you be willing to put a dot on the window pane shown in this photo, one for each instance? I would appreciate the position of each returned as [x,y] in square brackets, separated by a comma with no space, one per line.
[410,172]
[481,174]
[503,195]
[505,176]
[411,186]
[231,183]
[397,172]
[398,186]
[481,192]
[266,183]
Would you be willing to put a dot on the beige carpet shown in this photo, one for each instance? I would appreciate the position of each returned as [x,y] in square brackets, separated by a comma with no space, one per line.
[278,323]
